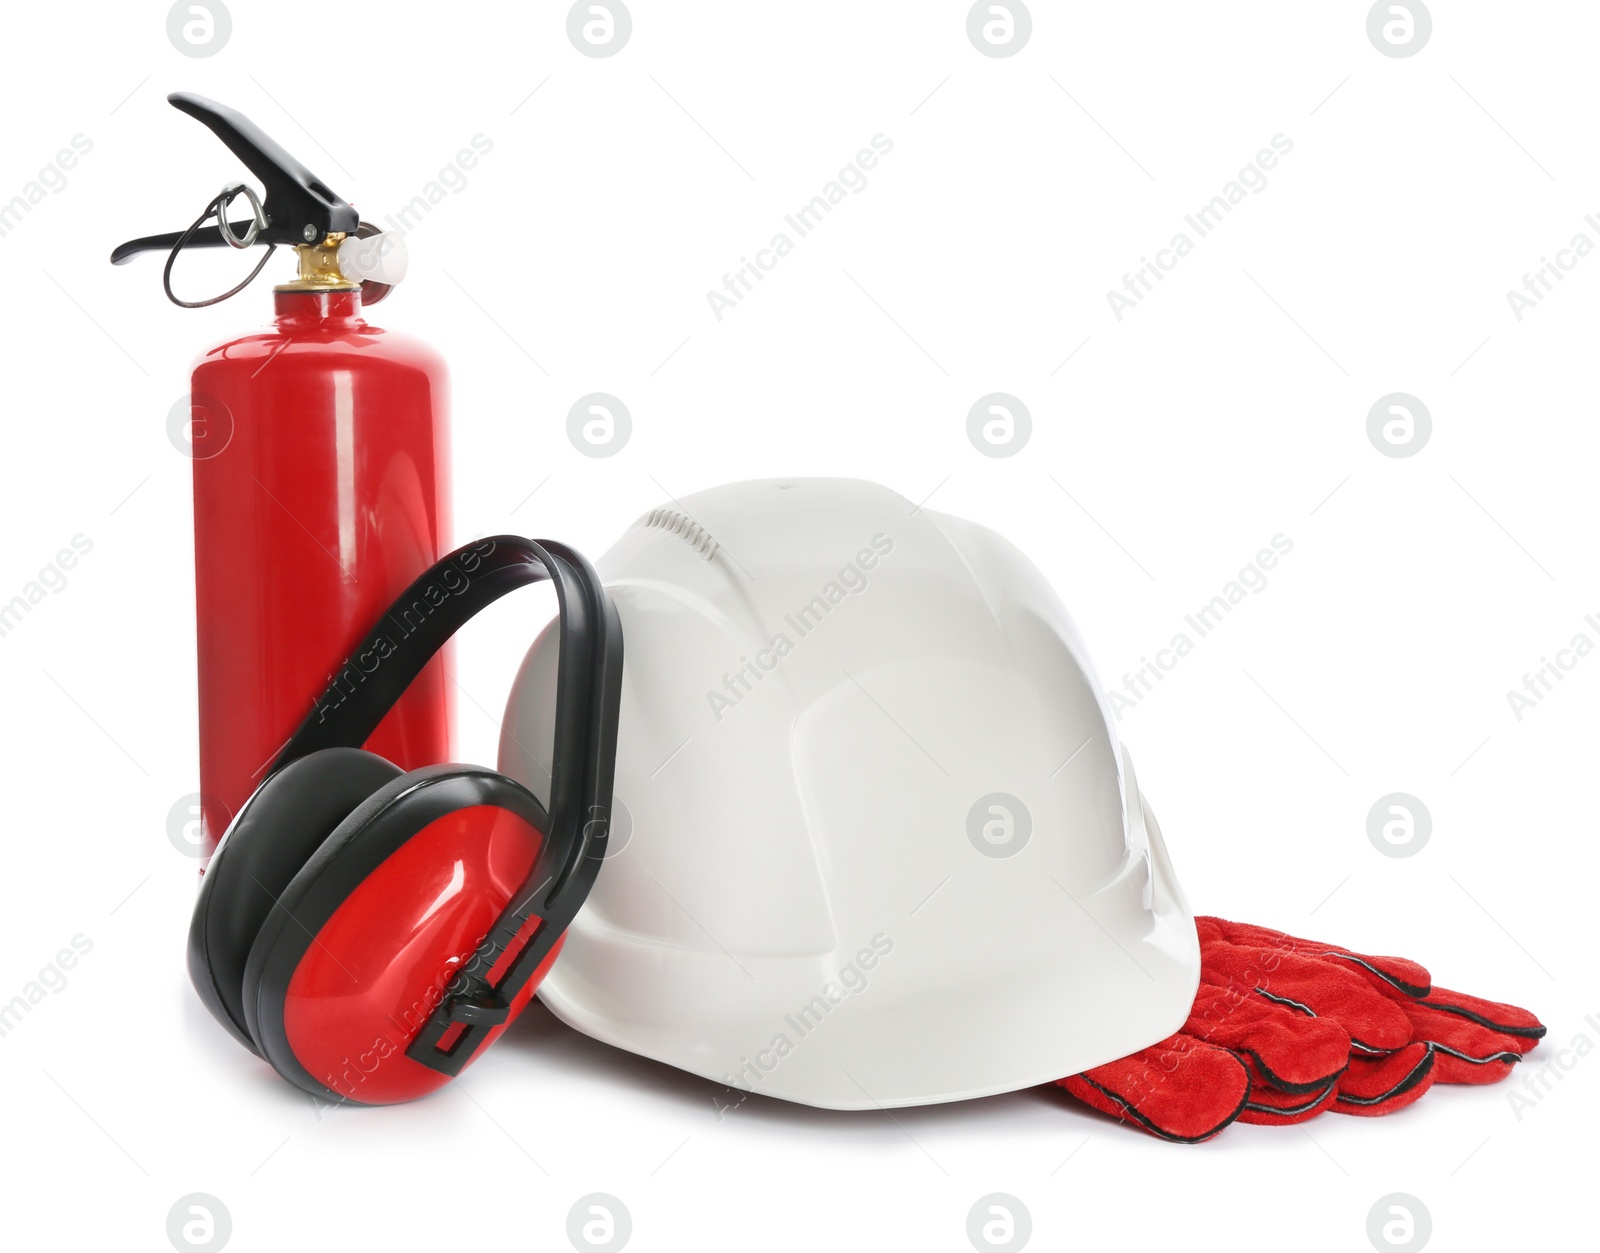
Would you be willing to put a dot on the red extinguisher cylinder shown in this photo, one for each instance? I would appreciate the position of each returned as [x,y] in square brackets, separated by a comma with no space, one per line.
[321,490]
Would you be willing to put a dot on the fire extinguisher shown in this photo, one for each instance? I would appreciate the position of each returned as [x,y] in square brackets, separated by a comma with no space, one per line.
[321,474]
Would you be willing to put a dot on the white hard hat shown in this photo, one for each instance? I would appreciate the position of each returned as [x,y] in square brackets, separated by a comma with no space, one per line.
[885,847]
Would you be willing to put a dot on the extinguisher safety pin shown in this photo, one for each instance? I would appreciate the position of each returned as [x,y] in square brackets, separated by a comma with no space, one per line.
[219,206]
[258,216]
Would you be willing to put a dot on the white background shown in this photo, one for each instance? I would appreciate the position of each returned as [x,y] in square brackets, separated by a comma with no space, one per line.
[1230,406]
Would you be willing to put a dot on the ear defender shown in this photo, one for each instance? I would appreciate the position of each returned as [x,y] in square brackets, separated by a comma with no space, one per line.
[369,932]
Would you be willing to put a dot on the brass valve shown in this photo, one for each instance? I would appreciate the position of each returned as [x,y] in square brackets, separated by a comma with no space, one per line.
[319,267]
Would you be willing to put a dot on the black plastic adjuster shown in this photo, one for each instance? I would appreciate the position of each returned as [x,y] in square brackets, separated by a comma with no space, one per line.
[479,1011]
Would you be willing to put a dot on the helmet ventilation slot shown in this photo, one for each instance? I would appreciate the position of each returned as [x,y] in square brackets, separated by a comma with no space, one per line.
[685,528]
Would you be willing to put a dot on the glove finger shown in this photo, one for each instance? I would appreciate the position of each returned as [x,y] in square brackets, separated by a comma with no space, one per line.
[1386,973]
[1455,1066]
[1467,1050]
[1181,1089]
[1520,1029]
[1382,1085]
[1294,1052]
[1269,1107]
[1314,987]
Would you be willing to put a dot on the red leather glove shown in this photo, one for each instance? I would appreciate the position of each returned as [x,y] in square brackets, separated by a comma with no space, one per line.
[1284,1028]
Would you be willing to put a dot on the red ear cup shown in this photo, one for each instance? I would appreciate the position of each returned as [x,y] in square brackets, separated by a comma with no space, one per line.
[356,957]
[276,832]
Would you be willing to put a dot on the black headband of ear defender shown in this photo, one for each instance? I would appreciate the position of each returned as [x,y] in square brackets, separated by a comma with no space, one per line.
[588,693]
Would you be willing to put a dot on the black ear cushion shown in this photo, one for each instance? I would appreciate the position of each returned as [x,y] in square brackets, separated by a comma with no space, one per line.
[276,833]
